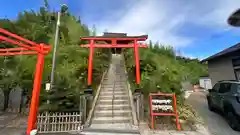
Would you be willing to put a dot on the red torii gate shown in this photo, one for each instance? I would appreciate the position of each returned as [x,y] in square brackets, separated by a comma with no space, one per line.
[114,40]
[27,47]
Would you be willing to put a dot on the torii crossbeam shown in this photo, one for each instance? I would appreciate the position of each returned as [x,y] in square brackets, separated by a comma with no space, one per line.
[27,47]
[114,40]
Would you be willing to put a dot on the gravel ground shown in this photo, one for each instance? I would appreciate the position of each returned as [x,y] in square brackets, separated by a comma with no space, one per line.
[5,118]
[144,130]
[12,124]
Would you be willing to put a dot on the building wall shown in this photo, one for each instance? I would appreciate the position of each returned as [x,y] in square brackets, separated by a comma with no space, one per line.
[221,69]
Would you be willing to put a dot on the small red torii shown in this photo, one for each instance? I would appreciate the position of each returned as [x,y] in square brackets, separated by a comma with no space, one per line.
[27,47]
[114,40]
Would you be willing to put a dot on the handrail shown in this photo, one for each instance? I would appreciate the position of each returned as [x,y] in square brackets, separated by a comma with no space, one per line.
[94,101]
[135,121]
[113,91]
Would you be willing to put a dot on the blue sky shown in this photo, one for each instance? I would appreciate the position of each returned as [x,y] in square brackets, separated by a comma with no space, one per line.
[195,28]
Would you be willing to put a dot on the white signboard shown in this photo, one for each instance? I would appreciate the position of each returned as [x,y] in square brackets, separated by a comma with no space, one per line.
[48,86]
[162,105]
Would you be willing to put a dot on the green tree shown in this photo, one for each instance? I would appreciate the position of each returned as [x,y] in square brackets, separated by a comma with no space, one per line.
[71,61]
[162,70]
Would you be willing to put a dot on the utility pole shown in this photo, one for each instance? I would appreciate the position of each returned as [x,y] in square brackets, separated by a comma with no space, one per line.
[55,49]
[64,8]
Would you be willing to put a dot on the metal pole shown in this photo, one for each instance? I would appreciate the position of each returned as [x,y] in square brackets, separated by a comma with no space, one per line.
[142,107]
[138,107]
[55,49]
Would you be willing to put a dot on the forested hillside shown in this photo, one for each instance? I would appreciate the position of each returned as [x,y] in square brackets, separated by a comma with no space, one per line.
[71,60]
[161,69]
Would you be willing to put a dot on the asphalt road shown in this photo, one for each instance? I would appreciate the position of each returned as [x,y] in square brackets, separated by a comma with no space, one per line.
[215,122]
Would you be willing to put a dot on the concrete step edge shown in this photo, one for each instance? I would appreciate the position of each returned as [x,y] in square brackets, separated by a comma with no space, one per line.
[94,121]
[114,100]
[110,131]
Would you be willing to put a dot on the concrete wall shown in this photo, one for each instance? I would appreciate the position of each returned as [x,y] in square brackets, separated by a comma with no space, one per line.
[221,69]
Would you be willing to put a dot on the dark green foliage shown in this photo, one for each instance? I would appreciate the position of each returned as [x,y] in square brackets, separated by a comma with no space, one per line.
[162,70]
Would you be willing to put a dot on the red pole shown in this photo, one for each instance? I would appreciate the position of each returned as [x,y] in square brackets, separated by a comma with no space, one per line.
[151,111]
[35,93]
[90,62]
[16,53]
[19,44]
[137,62]
[175,110]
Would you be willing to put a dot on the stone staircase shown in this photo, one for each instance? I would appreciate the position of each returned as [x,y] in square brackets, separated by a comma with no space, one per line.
[113,111]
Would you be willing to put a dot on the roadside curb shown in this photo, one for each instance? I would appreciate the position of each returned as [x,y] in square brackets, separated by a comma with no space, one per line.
[202,129]
[187,94]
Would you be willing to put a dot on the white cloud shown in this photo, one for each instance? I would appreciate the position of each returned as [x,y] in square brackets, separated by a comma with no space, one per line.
[162,20]
[217,17]
[191,56]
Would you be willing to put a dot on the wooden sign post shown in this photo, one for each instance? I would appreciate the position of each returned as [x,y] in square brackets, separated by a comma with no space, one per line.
[162,104]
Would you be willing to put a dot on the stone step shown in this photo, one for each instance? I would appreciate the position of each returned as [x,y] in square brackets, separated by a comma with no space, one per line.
[111,96]
[111,121]
[119,111]
[117,118]
[111,86]
[105,133]
[111,82]
[117,92]
[115,72]
[105,120]
[118,101]
[122,79]
[114,107]
[113,92]
[110,113]
[111,129]
[115,97]
[118,76]
[108,86]
[121,126]
[110,102]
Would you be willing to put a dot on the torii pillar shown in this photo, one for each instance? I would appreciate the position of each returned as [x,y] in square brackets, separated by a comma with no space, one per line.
[114,40]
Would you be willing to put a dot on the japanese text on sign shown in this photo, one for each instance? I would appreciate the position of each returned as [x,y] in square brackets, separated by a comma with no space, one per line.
[163,104]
